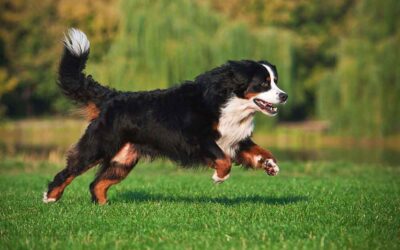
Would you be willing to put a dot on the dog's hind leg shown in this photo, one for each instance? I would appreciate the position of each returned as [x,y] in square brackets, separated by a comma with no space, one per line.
[113,172]
[80,158]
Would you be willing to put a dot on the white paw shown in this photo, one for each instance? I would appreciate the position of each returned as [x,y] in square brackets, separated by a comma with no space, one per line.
[270,167]
[218,179]
[47,200]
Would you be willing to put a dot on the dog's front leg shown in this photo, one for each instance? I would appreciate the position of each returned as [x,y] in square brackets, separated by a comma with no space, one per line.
[222,168]
[218,160]
[252,155]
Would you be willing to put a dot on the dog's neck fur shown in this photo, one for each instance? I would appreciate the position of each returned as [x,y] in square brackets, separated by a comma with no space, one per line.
[235,124]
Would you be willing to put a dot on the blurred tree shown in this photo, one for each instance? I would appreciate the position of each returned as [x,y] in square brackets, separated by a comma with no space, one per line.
[30,33]
[361,95]
[26,52]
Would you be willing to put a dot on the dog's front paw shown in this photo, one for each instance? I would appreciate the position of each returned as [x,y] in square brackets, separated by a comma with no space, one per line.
[270,167]
[218,180]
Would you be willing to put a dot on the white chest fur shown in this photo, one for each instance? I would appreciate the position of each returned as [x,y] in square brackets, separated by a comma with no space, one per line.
[235,124]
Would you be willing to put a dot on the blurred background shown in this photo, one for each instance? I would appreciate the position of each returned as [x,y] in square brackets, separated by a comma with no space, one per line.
[339,61]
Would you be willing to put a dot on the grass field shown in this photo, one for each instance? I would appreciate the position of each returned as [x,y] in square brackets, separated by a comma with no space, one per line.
[309,205]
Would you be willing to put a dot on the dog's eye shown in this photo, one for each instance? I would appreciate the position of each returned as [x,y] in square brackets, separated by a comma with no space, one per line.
[265,84]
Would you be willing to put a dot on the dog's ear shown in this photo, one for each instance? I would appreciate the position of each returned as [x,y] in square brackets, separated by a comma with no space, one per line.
[243,71]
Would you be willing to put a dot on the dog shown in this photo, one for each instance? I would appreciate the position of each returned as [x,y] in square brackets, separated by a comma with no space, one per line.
[207,121]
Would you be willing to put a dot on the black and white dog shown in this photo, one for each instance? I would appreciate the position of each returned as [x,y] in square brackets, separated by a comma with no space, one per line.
[206,121]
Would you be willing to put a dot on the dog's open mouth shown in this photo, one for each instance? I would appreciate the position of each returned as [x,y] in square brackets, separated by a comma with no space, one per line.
[266,106]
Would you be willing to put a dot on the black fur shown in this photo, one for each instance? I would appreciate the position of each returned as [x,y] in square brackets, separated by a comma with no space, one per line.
[76,85]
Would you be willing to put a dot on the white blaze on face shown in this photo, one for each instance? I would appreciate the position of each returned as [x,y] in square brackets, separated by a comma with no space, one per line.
[272,95]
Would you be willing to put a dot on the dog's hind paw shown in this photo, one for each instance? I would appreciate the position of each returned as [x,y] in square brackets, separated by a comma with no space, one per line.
[47,200]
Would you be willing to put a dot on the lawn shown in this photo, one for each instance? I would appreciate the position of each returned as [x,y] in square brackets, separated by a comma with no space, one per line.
[309,205]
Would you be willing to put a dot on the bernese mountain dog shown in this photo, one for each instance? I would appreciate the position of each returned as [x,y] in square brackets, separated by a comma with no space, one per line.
[207,121]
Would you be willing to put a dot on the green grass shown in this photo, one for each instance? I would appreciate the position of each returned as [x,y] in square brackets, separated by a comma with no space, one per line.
[309,205]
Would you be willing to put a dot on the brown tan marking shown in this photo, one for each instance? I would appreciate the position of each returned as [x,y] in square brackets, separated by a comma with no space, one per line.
[223,167]
[215,126]
[100,190]
[121,165]
[90,111]
[57,192]
[249,95]
[113,175]
[254,157]
[126,155]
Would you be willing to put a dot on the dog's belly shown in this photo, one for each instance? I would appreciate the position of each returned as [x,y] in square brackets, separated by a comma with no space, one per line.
[174,147]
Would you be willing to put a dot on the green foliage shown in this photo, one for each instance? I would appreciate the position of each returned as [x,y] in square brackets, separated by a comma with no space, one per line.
[361,95]
[30,47]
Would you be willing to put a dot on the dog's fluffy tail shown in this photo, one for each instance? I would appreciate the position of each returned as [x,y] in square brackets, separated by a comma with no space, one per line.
[82,89]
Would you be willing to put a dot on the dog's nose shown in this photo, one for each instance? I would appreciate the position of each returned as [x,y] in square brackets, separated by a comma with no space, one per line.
[283,97]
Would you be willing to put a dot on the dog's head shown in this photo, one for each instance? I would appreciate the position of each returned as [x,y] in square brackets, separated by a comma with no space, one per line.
[257,82]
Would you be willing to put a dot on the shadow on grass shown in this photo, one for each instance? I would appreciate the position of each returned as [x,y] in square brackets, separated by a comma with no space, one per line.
[141,196]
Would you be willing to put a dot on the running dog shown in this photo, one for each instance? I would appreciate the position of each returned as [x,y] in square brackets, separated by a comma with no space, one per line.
[207,121]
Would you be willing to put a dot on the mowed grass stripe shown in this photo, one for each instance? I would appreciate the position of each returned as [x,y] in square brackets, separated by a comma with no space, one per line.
[315,205]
